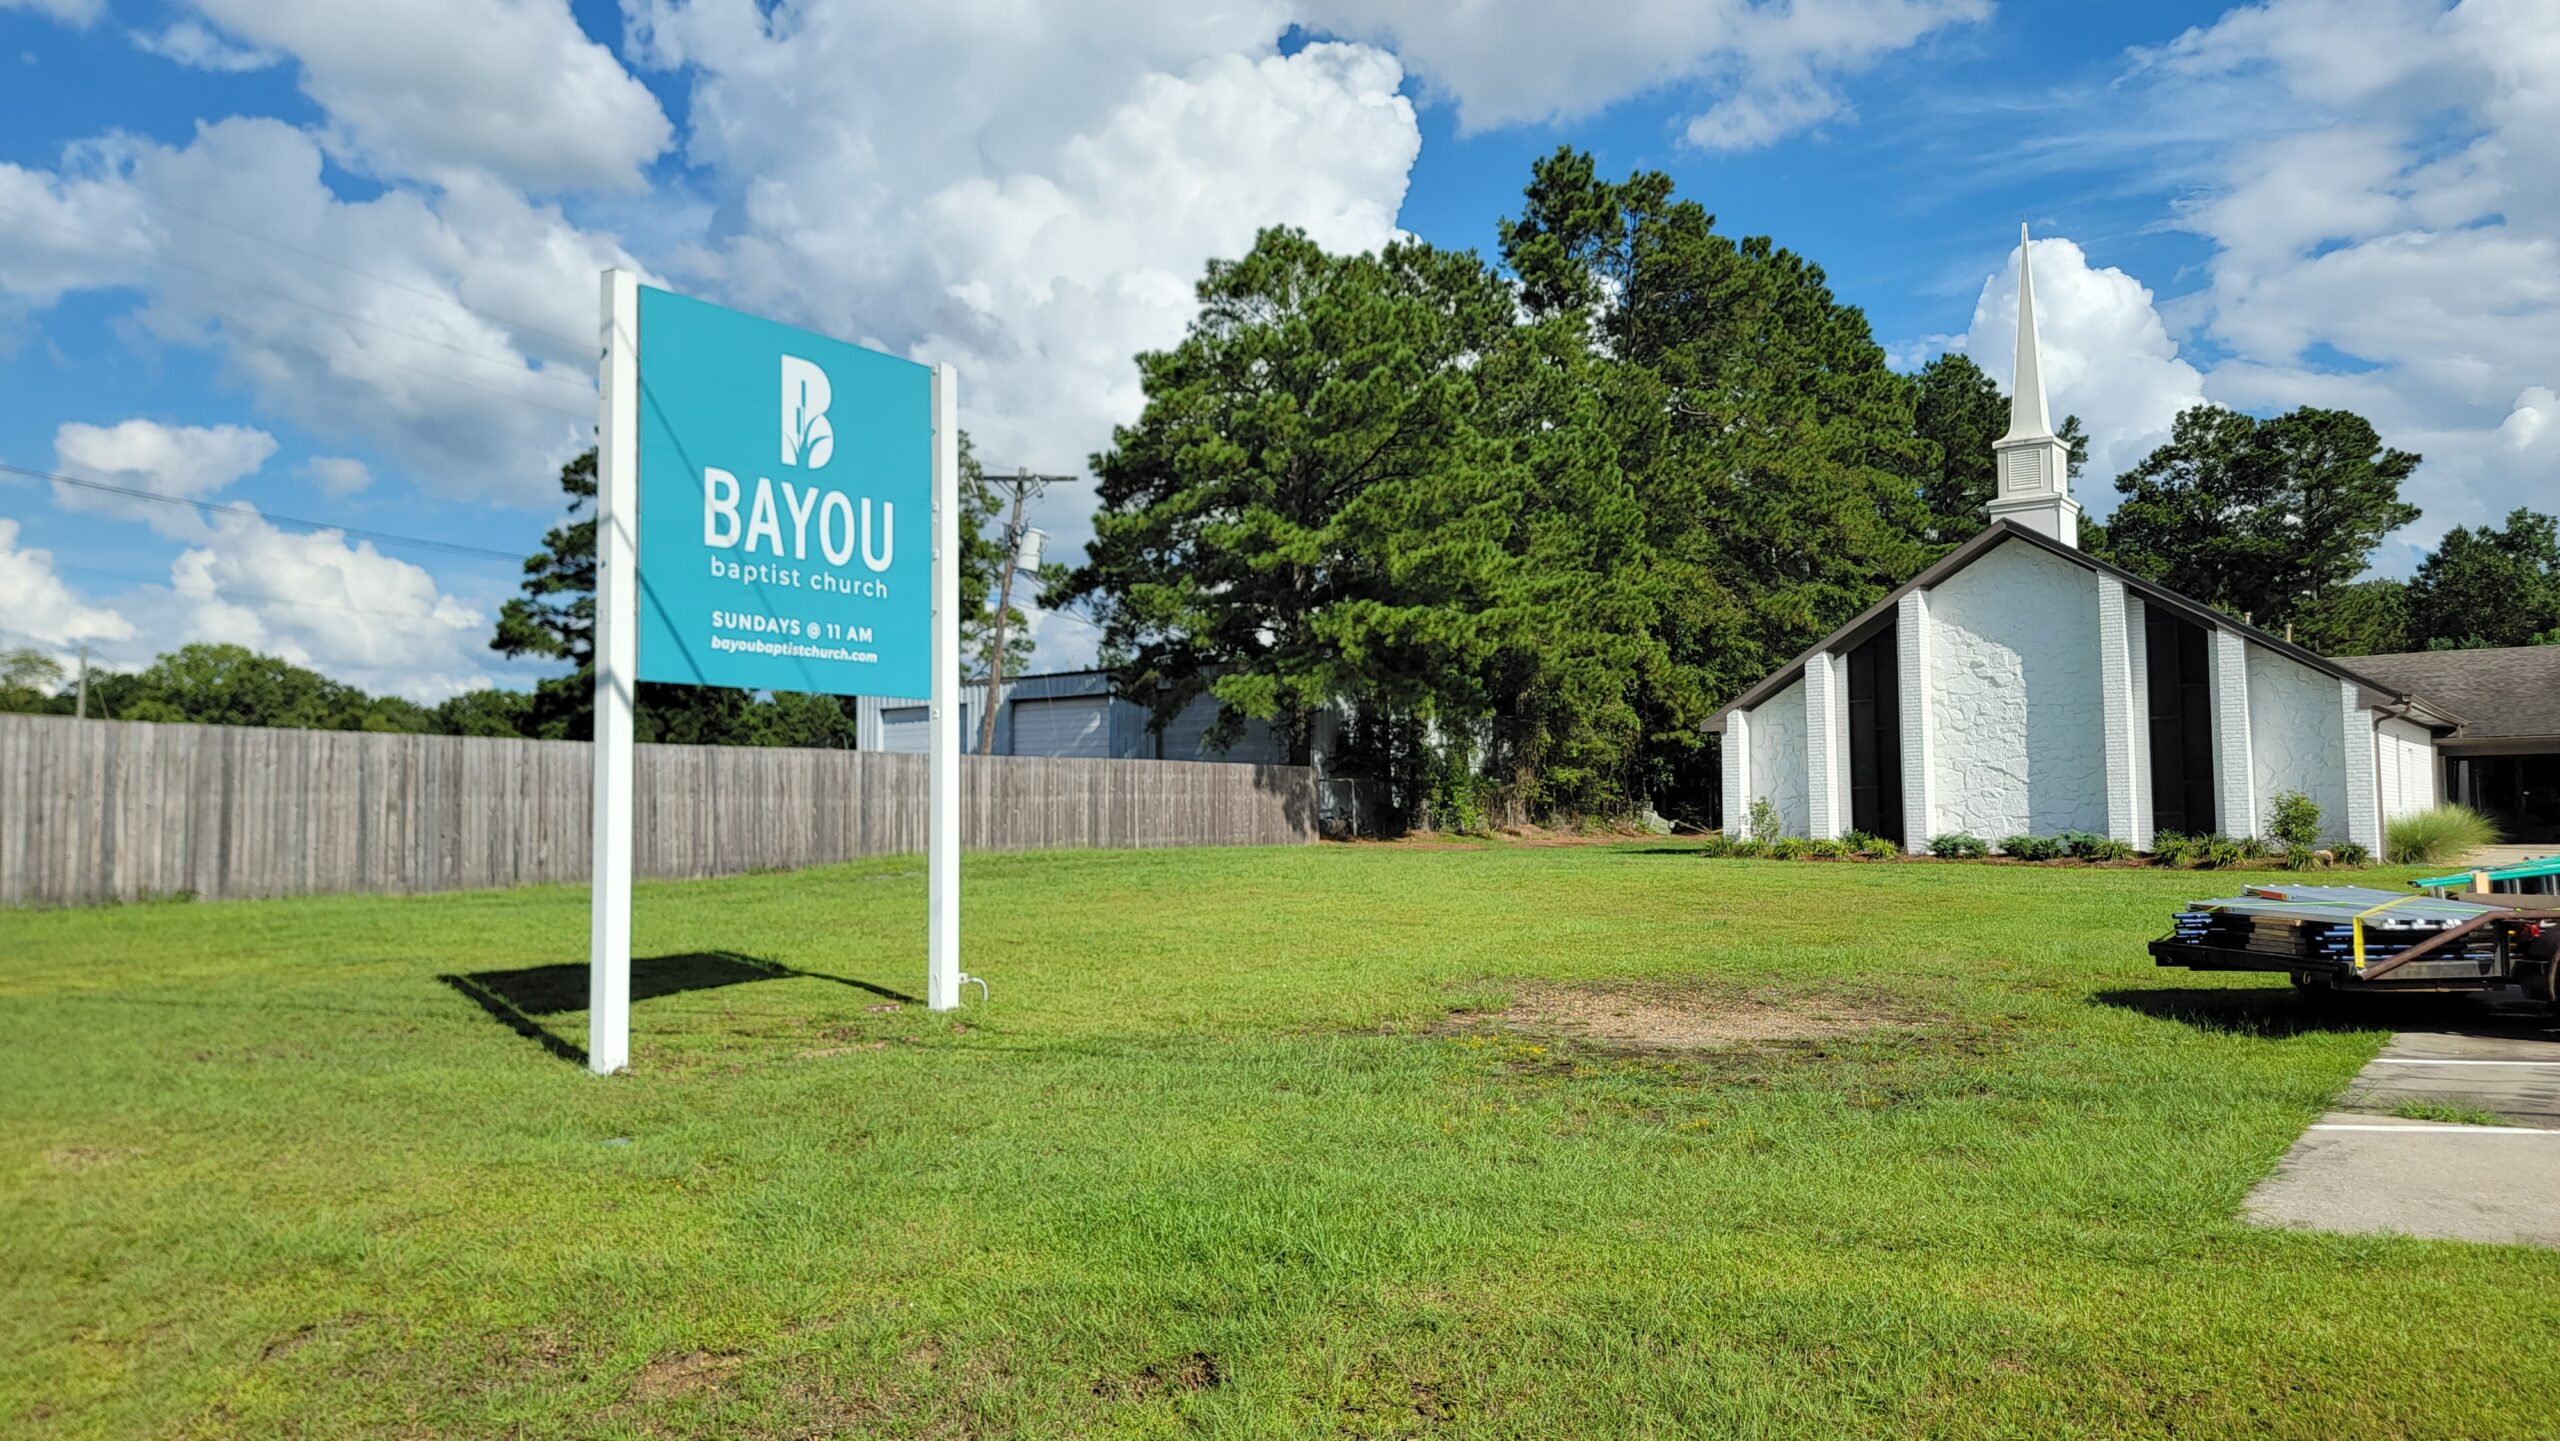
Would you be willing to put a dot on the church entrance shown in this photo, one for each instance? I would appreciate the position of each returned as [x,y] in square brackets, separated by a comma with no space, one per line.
[2178,667]
[1875,738]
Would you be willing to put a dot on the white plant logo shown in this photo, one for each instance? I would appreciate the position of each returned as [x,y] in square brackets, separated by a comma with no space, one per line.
[807,439]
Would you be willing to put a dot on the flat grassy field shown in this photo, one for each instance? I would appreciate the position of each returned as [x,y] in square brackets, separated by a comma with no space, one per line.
[1367,1141]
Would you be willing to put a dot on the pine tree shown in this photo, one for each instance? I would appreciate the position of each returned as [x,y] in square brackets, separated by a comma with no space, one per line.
[2262,519]
[2490,586]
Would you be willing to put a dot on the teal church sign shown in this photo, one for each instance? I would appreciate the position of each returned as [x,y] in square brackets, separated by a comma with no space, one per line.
[785,506]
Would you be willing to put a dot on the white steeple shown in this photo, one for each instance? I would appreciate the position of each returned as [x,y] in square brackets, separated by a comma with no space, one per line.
[2034,464]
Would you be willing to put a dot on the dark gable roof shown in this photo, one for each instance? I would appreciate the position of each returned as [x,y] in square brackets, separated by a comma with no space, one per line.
[2499,693]
[1876,617]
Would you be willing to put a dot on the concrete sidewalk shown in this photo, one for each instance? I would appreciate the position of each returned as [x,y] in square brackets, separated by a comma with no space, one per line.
[2362,1169]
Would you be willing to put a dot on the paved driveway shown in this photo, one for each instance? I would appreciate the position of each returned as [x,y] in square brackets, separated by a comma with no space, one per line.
[2362,1168]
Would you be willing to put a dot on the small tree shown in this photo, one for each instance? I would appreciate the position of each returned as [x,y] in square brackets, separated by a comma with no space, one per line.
[1764,823]
[2294,819]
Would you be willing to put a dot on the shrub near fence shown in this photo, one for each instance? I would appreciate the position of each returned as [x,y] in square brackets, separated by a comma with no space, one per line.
[115,810]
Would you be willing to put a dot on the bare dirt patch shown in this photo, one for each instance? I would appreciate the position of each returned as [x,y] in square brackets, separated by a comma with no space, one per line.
[1196,1372]
[687,1373]
[1652,1016]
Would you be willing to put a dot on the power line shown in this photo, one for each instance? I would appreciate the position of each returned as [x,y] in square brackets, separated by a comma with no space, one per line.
[513,363]
[214,507]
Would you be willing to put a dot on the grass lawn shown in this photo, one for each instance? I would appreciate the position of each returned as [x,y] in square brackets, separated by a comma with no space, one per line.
[1241,1146]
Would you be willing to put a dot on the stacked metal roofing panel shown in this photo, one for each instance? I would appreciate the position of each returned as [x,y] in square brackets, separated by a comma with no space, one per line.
[2333,926]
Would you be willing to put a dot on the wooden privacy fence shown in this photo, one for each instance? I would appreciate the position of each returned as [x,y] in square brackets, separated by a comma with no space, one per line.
[116,810]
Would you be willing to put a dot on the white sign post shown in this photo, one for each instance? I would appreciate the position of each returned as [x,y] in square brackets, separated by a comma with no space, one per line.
[942,777]
[728,350]
[617,678]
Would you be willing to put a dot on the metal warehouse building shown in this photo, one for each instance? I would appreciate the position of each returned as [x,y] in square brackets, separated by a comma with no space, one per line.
[1068,713]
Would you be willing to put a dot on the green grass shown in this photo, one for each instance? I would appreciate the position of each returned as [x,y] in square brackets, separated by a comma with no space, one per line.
[1217,1159]
[2447,1112]
[2438,835]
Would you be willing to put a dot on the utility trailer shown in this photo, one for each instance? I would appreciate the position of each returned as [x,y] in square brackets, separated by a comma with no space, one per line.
[2343,939]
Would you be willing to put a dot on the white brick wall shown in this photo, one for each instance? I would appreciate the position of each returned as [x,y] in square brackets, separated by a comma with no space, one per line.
[1737,774]
[1919,725]
[1778,759]
[2236,795]
[2018,721]
[2295,741]
[1825,700]
[2136,630]
[2115,687]
[2405,760]
[2363,821]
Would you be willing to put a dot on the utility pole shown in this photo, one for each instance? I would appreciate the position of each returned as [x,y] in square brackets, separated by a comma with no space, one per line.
[1024,485]
[80,707]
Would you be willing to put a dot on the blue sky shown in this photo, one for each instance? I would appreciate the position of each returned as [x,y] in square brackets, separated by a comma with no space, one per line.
[337,266]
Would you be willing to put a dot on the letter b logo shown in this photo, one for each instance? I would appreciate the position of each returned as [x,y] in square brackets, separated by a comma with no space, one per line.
[807,439]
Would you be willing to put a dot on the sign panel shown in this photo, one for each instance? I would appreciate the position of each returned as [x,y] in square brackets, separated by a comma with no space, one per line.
[785,521]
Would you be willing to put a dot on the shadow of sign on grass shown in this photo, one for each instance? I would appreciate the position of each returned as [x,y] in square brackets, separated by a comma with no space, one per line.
[520,999]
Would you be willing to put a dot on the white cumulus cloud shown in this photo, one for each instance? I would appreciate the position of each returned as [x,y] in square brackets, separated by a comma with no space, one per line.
[451,331]
[2385,217]
[425,87]
[193,45]
[184,462]
[36,606]
[1766,70]
[349,611]
[1034,212]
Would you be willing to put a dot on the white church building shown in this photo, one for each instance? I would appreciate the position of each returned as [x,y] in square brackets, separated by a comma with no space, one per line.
[2022,687]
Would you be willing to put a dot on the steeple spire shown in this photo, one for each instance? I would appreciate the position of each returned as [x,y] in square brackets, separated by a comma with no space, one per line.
[2034,464]
[2028,418]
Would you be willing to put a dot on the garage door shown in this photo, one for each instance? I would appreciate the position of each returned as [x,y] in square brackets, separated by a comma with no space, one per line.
[906,730]
[1186,738]
[1069,726]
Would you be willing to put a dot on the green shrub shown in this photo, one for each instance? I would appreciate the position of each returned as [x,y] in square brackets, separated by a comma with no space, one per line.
[1717,843]
[2294,819]
[2034,848]
[1830,850]
[2301,858]
[2078,843]
[2254,848]
[1790,848]
[1763,820]
[2107,850]
[1958,847]
[1877,848]
[2169,848]
[1455,801]
[2220,852]
[2348,853]
[2431,837]
[1747,848]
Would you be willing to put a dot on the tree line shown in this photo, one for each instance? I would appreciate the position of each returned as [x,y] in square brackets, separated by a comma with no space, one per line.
[1523,522]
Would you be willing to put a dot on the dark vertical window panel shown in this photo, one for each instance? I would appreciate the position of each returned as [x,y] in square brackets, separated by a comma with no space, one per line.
[1875,738]
[2177,661]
